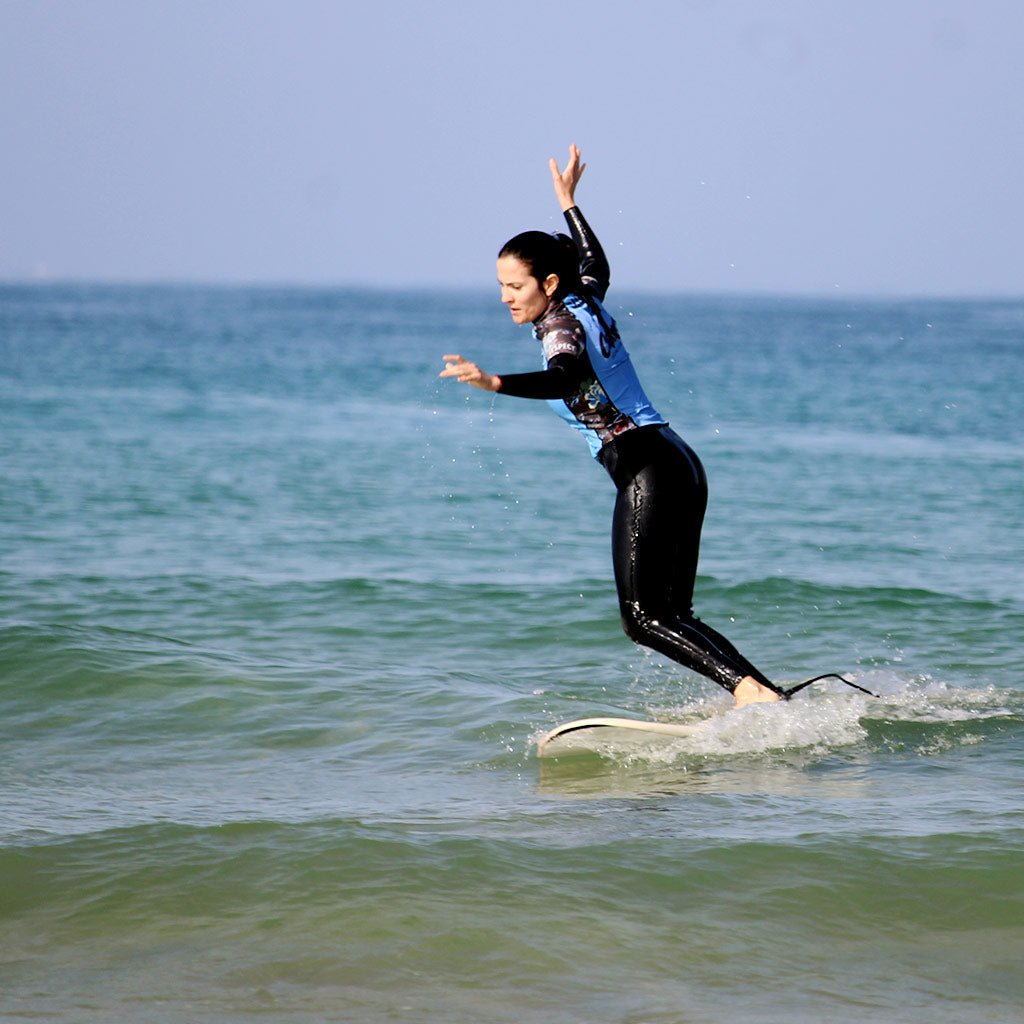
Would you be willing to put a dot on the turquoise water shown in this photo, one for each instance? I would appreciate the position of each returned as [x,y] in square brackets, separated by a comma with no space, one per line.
[282,615]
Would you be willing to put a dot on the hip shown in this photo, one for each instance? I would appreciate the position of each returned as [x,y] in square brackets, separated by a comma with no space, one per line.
[653,449]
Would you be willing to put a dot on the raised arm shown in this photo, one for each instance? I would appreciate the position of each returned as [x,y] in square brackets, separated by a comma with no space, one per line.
[565,182]
[594,270]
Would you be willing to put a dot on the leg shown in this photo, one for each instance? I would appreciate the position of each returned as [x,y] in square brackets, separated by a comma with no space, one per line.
[659,512]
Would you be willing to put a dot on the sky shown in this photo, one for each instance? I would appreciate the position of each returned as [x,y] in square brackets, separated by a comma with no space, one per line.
[752,146]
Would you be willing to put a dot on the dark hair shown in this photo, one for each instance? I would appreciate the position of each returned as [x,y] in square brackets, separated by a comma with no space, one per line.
[546,254]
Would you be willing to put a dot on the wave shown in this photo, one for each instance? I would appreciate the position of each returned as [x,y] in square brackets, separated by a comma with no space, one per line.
[369,901]
[298,921]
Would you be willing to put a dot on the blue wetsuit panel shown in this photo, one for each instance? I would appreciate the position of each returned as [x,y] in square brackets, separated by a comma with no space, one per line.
[607,399]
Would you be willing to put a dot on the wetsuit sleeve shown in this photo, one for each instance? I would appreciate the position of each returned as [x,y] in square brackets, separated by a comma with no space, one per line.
[560,380]
[594,270]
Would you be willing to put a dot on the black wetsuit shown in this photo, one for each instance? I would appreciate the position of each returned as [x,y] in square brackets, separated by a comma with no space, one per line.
[662,490]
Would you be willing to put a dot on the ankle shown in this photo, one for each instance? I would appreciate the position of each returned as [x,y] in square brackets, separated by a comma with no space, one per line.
[750,691]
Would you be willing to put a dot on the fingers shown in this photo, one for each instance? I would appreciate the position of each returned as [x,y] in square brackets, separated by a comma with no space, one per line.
[453,365]
[570,171]
[566,180]
[461,368]
[577,167]
[469,373]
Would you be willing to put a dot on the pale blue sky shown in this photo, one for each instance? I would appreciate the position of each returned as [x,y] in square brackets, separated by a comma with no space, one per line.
[793,146]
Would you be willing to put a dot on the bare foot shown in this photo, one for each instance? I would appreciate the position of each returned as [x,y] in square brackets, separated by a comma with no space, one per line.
[750,691]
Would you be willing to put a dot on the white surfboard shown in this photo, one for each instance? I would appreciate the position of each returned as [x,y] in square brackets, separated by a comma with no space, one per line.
[593,735]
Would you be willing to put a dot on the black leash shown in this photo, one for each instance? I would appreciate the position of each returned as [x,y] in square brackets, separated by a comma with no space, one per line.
[828,675]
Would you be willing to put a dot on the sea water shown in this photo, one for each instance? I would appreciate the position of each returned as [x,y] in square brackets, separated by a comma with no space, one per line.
[282,616]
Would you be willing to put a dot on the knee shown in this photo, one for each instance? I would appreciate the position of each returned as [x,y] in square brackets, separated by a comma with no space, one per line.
[636,623]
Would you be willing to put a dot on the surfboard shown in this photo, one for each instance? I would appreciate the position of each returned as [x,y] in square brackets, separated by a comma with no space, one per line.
[593,735]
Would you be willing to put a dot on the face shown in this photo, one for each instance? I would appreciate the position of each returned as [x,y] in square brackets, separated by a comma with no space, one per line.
[524,295]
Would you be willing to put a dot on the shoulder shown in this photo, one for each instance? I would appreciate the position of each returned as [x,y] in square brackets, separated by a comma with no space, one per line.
[560,330]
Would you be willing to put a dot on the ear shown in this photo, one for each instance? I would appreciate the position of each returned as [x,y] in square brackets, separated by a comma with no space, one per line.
[550,285]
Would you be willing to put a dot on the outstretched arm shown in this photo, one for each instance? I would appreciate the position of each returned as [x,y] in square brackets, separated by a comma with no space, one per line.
[559,380]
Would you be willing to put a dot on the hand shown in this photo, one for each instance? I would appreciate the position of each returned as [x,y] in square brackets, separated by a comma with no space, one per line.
[470,373]
[566,181]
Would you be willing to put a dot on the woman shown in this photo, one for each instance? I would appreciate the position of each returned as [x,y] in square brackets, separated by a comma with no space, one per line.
[557,284]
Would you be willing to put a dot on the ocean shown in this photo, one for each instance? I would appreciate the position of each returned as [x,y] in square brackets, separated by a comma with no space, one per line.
[282,616]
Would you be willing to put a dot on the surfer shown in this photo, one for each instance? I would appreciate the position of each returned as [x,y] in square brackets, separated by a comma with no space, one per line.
[558,283]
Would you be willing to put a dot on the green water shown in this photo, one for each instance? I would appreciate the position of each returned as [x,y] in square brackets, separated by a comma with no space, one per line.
[280,624]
